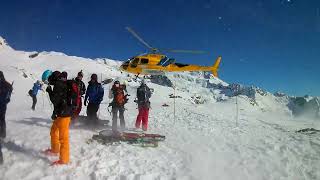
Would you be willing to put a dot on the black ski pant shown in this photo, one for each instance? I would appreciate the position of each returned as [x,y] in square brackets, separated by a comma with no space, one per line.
[115,110]
[34,102]
[1,156]
[92,110]
[3,110]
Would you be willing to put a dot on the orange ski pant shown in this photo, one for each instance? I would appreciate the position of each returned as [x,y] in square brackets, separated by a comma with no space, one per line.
[60,137]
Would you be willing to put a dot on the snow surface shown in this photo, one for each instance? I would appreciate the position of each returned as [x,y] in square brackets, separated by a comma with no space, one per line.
[204,141]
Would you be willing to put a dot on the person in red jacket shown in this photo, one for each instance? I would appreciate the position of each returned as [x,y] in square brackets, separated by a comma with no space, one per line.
[81,90]
[143,96]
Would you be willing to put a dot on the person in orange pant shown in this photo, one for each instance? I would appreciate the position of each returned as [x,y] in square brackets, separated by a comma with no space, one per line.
[63,108]
[60,139]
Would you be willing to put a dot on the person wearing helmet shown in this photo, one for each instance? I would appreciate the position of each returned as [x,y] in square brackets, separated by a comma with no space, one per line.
[119,95]
[33,93]
[94,95]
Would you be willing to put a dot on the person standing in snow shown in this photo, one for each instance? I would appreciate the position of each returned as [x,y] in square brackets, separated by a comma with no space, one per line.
[94,95]
[62,100]
[118,93]
[143,96]
[5,94]
[33,93]
[81,88]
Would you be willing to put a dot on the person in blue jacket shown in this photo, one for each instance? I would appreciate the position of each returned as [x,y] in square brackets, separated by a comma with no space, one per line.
[94,95]
[33,93]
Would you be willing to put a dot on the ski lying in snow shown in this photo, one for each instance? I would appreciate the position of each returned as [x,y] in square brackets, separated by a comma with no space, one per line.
[145,136]
[139,139]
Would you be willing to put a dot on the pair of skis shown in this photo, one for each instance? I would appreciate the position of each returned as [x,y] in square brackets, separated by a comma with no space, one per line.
[138,139]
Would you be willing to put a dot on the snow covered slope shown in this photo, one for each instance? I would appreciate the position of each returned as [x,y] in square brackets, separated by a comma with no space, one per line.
[206,137]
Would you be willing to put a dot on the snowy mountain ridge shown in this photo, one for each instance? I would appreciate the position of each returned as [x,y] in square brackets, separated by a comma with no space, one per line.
[202,86]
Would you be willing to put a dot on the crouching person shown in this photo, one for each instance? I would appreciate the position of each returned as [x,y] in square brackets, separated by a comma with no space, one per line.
[63,107]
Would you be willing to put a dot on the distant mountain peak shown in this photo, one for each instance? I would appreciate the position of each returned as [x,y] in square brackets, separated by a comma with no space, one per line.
[4,44]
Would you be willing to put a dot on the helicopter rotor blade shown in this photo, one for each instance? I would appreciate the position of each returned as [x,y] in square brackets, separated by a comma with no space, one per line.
[139,38]
[184,51]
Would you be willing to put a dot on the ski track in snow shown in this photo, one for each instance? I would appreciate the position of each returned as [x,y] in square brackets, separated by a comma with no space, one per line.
[202,141]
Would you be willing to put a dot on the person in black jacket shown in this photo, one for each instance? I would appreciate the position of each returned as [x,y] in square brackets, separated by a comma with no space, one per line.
[52,79]
[5,94]
[61,97]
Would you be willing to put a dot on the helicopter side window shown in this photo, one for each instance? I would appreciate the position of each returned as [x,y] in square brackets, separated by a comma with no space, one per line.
[144,61]
[166,61]
[163,61]
[134,63]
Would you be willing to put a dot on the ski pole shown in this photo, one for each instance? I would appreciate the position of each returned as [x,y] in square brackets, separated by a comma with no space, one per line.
[174,103]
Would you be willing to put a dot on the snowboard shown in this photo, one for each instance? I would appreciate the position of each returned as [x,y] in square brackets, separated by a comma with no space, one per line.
[139,139]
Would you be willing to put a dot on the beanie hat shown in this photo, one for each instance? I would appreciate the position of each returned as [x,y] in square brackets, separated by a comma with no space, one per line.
[94,77]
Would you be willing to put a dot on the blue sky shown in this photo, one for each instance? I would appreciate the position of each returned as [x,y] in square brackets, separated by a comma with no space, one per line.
[273,44]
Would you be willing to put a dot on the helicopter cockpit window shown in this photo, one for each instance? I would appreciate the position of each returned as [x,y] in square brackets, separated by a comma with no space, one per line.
[144,61]
[134,63]
[125,64]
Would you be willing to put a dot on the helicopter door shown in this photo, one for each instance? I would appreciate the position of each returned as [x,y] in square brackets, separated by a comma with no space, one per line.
[134,63]
[166,61]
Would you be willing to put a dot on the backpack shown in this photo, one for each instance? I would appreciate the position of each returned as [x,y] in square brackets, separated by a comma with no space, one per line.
[5,92]
[30,92]
[143,94]
[73,93]
[118,93]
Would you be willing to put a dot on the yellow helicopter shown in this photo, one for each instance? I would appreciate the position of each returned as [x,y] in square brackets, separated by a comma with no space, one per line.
[155,63]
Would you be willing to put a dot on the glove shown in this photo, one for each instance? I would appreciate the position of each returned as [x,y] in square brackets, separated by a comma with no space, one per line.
[49,89]
[53,116]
